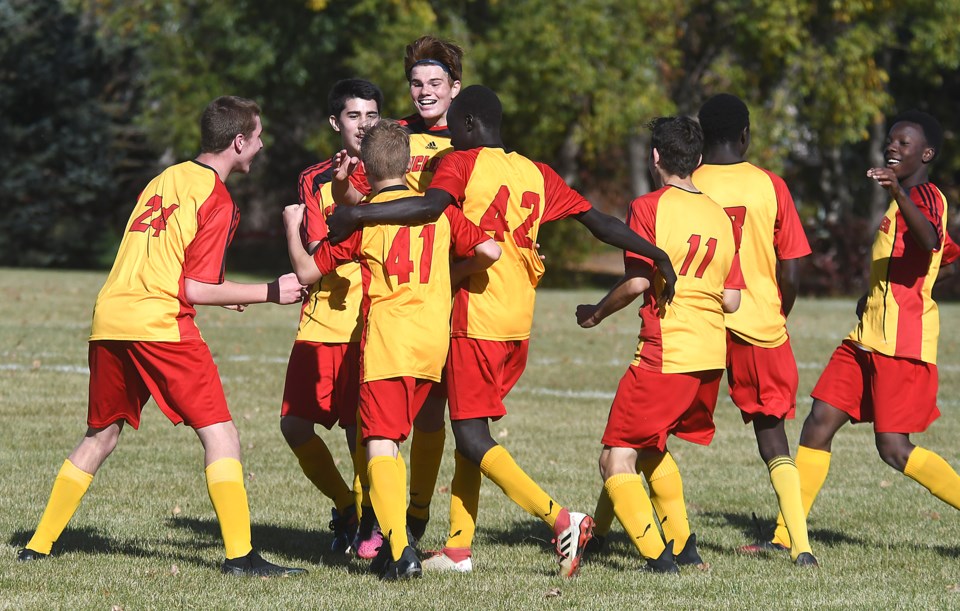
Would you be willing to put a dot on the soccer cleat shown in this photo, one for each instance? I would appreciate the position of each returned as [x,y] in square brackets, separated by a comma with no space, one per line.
[344,528]
[807,559]
[444,560]
[689,556]
[367,547]
[664,563]
[27,554]
[573,531]
[253,565]
[382,558]
[416,528]
[407,567]
[762,547]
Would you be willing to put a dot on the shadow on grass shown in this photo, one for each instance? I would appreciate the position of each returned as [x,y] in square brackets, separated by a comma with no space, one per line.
[760,529]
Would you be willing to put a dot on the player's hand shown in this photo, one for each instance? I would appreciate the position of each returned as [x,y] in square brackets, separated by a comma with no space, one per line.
[285,290]
[344,165]
[240,307]
[665,267]
[343,222]
[586,315]
[537,250]
[293,217]
[886,178]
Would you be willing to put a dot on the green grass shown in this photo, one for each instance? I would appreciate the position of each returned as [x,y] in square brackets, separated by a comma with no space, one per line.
[145,536]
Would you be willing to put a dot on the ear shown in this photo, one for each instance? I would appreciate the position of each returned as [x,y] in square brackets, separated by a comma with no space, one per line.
[656,158]
[928,155]
[334,123]
[468,122]
[238,142]
[454,89]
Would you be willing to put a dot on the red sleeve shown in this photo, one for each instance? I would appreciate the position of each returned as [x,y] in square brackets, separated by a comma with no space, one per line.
[928,199]
[359,180]
[464,235]
[789,239]
[328,257]
[642,219]
[314,219]
[735,277]
[217,218]
[454,172]
[951,252]
[561,200]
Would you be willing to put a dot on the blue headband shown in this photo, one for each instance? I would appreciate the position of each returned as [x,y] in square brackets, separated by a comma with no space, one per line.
[430,62]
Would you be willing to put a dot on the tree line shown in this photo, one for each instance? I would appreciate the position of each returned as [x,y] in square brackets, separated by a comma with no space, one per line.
[97,95]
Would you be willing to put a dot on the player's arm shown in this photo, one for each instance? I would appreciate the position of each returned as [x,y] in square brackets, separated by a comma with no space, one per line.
[340,186]
[635,280]
[921,228]
[788,278]
[485,254]
[405,211]
[304,265]
[284,290]
[731,300]
[612,231]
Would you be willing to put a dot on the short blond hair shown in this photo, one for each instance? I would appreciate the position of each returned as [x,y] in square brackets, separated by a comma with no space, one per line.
[385,150]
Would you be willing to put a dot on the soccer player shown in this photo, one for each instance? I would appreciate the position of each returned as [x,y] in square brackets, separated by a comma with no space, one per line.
[323,374]
[433,68]
[407,286]
[509,196]
[144,341]
[671,386]
[761,370]
[885,371]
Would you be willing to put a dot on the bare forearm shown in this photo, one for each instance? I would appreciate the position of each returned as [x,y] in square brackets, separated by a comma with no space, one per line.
[345,193]
[788,279]
[226,293]
[405,211]
[620,296]
[302,262]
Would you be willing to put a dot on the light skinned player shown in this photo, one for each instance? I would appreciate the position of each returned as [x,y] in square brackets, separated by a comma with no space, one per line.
[406,334]
[144,342]
[671,386]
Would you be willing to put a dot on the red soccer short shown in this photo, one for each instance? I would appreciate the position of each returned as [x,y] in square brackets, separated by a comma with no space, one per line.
[388,407]
[323,383]
[650,405]
[180,376]
[480,373]
[762,381]
[898,395]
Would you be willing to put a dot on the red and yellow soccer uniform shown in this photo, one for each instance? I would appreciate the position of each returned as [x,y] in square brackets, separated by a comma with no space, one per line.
[885,371]
[681,354]
[323,374]
[144,340]
[509,197]
[761,369]
[428,146]
[406,305]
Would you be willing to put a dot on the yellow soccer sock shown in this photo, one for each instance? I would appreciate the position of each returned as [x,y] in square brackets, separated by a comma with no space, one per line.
[229,498]
[666,494]
[603,515]
[499,466]
[813,466]
[361,483]
[387,489]
[935,474]
[317,464]
[68,489]
[464,502]
[786,483]
[426,452]
[634,510]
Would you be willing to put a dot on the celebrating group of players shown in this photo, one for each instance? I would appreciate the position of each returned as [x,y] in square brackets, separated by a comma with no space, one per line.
[383,350]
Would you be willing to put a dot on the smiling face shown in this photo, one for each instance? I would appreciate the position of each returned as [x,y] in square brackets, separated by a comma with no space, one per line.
[432,91]
[906,151]
[358,115]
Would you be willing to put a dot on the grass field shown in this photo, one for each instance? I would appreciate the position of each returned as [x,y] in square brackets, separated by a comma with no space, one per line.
[145,536]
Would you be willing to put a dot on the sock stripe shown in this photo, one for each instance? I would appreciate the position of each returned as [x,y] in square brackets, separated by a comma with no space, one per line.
[780,461]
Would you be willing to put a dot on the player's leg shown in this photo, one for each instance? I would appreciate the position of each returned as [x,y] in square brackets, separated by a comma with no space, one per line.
[926,468]
[666,494]
[368,538]
[426,453]
[456,554]
[70,486]
[633,508]
[317,462]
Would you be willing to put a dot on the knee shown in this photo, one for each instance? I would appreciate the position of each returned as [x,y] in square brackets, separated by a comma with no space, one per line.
[821,424]
[296,431]
[473,441]
[895,451]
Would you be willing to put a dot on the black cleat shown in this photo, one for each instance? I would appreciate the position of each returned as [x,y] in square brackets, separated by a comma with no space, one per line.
[253,565]
[27,554]
[662,564]
[383,558]
[407,567]
[689,556]
[416,528]
[807,559]
[344,528]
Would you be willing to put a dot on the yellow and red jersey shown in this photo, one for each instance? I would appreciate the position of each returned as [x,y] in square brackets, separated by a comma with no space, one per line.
[331,312]
[509,197]
[900,317]
[180,228]
[428,145]
[760,204]
[700,240]
[406,289]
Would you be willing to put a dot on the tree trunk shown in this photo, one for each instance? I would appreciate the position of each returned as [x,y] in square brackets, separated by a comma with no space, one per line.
[638,152]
